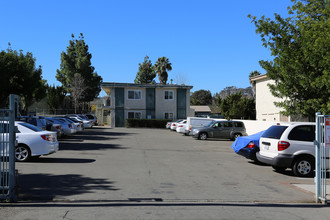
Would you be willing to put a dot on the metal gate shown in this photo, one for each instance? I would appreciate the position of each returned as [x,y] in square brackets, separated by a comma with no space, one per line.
[322,155]
[7,151]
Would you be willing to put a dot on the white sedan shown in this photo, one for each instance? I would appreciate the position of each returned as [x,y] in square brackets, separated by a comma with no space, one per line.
[181,127]
[33,142]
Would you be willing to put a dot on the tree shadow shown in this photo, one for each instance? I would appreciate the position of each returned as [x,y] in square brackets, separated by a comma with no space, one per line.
[89,146]
[60,160]
[46,187]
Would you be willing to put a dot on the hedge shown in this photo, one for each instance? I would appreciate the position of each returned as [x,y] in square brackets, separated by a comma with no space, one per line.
[146,123]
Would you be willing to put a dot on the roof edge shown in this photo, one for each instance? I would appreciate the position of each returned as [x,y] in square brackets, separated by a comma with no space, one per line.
[157,85]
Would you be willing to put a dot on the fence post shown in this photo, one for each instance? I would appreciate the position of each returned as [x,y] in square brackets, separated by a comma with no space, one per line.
[13,106]
[317,159]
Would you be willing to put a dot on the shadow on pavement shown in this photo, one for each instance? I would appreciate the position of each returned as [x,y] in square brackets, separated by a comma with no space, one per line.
[60,160]
[89,146]
[46,187]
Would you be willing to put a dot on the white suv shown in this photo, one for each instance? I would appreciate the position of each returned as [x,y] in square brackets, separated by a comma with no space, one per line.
[289,145]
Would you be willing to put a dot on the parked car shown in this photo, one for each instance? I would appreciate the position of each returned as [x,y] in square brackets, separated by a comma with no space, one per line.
[247,146]
[77,121]
[220,129]
[91,118]
[181,127]
[31,141]
[87,123]
[196,122]
[289,145]
[174,124]
[50,126]
[34,120]
[75,125]
[168,124]
[67,128]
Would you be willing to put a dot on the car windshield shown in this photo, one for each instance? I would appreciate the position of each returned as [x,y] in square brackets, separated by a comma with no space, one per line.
[29,126]
[274,132]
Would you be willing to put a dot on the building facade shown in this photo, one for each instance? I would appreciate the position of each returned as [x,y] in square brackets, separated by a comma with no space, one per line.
[146,101]
[265,107]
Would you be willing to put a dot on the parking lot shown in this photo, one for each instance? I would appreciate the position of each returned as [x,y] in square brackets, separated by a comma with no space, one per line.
[153,165]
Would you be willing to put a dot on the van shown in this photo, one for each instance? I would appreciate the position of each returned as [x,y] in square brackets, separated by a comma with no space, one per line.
[289,145]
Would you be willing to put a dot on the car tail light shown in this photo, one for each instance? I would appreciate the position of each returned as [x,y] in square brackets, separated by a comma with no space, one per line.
[190,128]
[78,126]
[251,145]
[70,126]
[173,124]
[58,127]
[180,126]
[47,137]
[282,145]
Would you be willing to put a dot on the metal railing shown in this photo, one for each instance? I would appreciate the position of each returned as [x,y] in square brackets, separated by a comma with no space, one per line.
[322,155]
[7,151]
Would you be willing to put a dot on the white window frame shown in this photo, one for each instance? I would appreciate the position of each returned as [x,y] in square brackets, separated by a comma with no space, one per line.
[169,113]
[135,114]
[171,92]
[134,90]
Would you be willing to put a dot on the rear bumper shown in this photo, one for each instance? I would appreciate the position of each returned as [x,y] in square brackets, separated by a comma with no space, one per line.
[249,153]
[281,160]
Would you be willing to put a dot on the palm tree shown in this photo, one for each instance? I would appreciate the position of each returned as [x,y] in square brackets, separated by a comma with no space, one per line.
[162,66]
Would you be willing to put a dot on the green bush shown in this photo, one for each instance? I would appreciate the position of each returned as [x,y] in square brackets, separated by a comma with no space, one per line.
[146,123]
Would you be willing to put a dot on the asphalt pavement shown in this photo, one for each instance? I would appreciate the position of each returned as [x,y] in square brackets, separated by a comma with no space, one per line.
[121,173]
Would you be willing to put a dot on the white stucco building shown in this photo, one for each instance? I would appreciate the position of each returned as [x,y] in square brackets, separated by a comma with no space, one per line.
[265,107]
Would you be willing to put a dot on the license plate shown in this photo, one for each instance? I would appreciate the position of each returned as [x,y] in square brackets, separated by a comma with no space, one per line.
[266,147]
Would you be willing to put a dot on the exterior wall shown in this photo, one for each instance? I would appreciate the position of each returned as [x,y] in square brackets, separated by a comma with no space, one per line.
[132,104]
[151,105]
[265,107]
[163,105]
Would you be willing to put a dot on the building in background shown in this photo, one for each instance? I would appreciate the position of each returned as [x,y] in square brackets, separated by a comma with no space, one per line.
[145,101]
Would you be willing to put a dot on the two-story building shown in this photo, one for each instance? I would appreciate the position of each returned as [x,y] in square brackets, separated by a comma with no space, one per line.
[146,101]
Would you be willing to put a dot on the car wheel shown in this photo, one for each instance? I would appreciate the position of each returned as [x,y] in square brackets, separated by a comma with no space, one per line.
[202,136]
[22,153]
[236,136]
[279,169]
[303,167]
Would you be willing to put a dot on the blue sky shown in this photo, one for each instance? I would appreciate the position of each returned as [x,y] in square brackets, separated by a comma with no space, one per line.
[211,44]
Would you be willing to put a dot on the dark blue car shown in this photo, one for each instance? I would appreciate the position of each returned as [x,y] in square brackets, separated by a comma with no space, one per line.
[247,146]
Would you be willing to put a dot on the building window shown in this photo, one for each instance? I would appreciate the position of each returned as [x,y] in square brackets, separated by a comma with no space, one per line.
[168,115]
[169,95]
[134,115]
[134,94]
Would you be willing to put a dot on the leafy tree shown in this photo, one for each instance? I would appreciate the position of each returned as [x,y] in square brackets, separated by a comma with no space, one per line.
[232,90]
[77,59]
[55,96]
[162,66]
[201,97]
[20,76]
[236,106]
[300,47]
[146,73]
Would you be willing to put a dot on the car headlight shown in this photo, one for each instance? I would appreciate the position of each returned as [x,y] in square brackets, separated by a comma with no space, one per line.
[195,131]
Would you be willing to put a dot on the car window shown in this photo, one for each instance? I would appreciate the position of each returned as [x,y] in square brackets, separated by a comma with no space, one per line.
[238,124]
[32,127]
[274,132]
[303,133]
[226,124]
